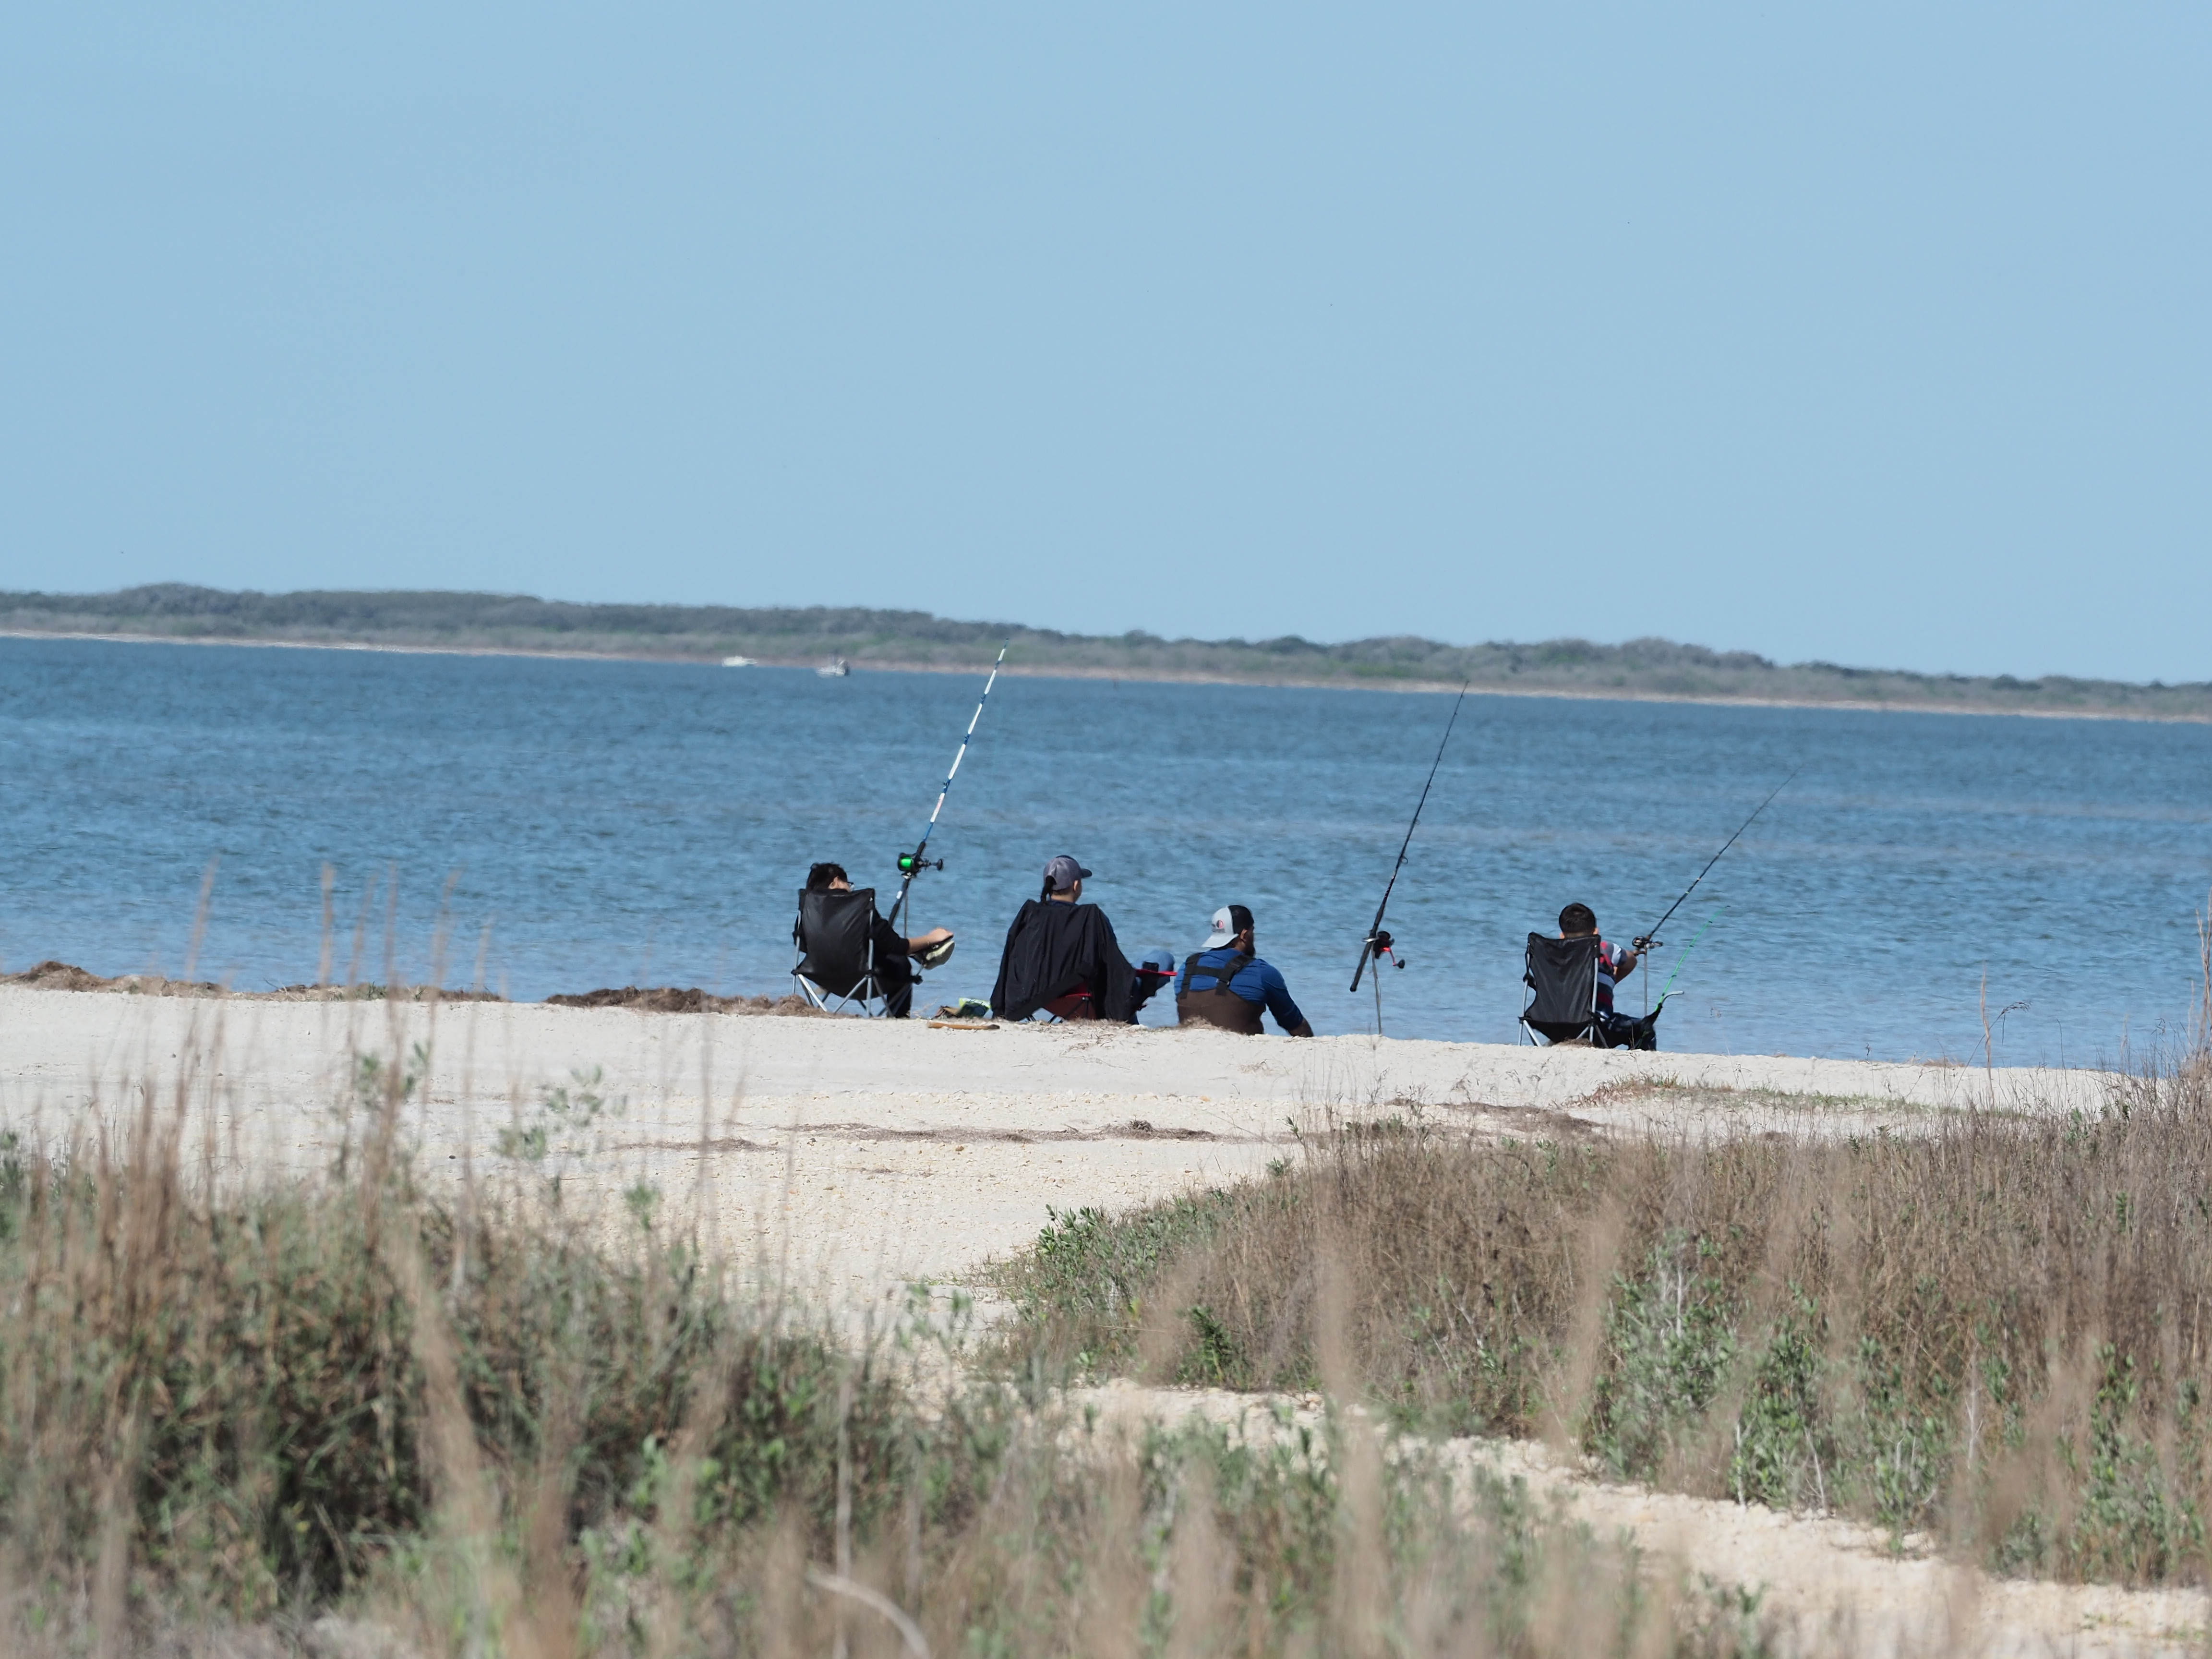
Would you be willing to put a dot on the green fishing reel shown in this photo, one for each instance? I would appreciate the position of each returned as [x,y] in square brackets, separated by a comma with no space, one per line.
[909,864]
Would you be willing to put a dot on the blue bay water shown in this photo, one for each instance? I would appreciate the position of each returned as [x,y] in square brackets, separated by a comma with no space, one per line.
[598,823]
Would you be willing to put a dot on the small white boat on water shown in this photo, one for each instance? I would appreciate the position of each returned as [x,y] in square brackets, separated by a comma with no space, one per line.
[834,670]
[738,662]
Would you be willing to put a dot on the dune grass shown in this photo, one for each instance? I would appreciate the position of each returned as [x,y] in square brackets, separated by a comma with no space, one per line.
[352,1414]
[1997,1332]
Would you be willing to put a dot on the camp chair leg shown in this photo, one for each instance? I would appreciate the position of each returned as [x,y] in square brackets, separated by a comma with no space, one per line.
[857,1000]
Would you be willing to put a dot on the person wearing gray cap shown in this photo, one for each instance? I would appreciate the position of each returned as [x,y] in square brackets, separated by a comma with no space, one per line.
[1227,985]
[1063,880]
[1062,956]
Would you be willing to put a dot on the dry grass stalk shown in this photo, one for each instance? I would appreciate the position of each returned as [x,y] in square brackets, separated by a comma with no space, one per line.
[1999,1331]
[247,1406]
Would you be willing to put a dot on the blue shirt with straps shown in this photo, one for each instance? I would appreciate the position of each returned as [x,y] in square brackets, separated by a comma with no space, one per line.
[1255,981]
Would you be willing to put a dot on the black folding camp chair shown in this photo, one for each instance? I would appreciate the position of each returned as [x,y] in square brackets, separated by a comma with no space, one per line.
[1561,975]
[1079,1004]
[835,934]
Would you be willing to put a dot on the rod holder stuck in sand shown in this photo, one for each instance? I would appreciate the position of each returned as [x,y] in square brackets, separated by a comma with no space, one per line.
[1377,943]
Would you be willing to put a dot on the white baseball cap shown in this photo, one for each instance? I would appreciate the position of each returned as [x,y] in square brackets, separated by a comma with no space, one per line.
[1225,929]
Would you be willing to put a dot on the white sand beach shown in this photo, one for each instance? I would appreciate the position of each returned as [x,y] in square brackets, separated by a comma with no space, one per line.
[868,1154]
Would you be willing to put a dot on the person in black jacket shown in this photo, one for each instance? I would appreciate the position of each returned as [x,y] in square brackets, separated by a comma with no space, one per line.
[1062,956]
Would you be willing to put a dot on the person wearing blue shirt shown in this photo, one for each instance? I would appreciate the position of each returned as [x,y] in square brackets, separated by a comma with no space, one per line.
[1226,985]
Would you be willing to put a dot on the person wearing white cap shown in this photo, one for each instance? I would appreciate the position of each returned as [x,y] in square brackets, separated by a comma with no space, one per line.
[1226,984]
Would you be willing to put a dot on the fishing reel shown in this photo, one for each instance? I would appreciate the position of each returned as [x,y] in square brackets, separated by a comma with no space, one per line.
[908,865]
[1380,946]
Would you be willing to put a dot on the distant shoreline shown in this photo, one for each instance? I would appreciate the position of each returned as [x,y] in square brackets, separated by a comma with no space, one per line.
[1646,668]
[1147,677]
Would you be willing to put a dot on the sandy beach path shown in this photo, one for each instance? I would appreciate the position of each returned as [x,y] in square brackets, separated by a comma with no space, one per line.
[1824,1585]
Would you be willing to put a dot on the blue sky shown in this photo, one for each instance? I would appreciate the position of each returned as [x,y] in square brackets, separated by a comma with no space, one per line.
[1875,333]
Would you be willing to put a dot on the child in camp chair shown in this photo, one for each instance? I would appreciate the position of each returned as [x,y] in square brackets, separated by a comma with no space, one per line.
[1614,964]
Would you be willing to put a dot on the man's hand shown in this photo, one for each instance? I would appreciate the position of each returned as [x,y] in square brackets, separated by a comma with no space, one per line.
[935,936]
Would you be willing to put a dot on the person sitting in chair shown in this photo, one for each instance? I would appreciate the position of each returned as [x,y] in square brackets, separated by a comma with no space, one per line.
[1226,985]
[1062,956]
[895,975]
[1614,964]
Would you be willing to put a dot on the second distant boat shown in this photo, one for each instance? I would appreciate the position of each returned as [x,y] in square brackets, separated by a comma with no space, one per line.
[834,670]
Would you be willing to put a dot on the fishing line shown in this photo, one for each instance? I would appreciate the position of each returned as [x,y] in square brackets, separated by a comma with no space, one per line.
[1377,942]
[1684,956]
[1649,936]
[913,864]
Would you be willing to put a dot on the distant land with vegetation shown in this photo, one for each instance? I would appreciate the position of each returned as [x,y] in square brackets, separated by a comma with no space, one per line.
[811,636]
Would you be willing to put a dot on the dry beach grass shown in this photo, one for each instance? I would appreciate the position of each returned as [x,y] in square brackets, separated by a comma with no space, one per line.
[368,1396]
[1997,1331]
[344,1415]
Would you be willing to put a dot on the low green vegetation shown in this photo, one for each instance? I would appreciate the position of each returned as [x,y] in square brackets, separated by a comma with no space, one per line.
[1997,1332]
[346,1415]
[914,639]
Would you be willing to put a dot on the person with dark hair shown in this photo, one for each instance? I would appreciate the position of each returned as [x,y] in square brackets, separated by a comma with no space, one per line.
[895,974]
[1614,964]
[1062,956]
[1226,984]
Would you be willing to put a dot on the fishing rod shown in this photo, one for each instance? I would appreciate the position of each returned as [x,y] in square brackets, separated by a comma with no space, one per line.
[1377,943]
[1649,936]
[913,864]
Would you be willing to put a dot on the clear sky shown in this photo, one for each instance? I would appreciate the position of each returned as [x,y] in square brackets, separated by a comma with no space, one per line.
[1876,333]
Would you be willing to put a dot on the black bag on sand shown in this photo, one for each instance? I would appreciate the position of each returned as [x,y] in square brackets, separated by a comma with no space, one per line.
[1625,1031]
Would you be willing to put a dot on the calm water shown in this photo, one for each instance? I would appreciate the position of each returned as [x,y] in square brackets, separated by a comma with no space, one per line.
[615,823]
